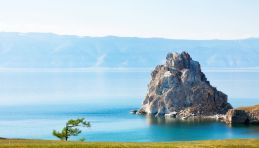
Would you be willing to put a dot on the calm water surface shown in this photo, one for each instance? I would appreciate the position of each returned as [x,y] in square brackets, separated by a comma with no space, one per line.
[114,123]
[103,103]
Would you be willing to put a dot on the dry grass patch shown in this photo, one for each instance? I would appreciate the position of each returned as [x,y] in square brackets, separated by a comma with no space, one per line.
[250,108]
[234,143]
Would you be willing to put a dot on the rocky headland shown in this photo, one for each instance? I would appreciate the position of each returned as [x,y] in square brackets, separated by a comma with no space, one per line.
[243,115]
[179,89]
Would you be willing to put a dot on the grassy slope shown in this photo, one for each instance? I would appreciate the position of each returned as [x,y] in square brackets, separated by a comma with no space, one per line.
[210,143]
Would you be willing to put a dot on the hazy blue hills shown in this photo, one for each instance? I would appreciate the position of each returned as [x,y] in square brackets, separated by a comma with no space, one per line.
[45,50]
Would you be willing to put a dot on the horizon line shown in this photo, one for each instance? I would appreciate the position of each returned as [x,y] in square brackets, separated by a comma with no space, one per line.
[129,36]
[118,69]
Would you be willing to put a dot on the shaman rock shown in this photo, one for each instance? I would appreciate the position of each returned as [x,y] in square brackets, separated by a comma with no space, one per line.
[180,86]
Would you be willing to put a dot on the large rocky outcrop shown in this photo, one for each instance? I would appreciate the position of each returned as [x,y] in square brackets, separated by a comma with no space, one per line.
[180,86]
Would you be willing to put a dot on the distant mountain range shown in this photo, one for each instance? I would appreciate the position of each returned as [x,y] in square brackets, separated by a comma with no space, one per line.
[46,50]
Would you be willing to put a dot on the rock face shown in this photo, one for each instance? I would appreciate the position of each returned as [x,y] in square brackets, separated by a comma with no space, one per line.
[237,116]
[243,115]
[180,86]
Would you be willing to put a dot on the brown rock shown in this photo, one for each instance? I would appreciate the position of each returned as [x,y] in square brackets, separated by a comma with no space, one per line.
[237,116]
[245,115]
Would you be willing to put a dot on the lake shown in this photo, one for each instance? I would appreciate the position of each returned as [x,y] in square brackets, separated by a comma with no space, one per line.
[35,103]
[115,123]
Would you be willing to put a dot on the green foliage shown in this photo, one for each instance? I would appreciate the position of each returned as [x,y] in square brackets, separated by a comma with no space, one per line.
[82,139]
[61,135]
[71,128]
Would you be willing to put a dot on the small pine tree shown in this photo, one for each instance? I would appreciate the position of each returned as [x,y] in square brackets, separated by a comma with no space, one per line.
[70,128]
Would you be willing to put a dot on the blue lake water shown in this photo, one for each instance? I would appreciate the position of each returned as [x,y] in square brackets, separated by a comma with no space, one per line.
[105,100]
[115,123]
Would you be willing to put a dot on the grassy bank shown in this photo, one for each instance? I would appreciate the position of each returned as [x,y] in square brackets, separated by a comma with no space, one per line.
[51,143]
[250,108]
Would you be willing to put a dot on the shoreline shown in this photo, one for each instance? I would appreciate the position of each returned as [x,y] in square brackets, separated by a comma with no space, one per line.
[175,115]
[240,115]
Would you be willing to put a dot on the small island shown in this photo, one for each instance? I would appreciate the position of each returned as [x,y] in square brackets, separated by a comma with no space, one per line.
[179,89]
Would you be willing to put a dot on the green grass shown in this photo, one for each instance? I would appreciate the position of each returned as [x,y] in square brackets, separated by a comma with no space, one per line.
[235,143]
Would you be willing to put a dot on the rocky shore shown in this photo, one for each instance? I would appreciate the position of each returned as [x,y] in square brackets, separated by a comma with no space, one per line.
[243,115]
[183,116]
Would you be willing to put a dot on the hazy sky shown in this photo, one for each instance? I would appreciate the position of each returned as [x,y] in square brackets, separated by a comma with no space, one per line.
[192,19]
[188,19]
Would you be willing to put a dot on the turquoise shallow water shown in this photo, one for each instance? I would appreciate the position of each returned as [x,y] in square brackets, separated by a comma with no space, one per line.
[101,99]
[112,122]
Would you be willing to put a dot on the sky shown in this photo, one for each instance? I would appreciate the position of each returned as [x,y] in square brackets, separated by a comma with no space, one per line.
[175,19]
[178,19]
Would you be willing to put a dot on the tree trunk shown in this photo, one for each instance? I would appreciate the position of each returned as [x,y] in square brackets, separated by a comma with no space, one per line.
[66,132]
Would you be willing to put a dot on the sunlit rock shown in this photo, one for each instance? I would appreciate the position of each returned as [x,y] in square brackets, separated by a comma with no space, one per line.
[180,86]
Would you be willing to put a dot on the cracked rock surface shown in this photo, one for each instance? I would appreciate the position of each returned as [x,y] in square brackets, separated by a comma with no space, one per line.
[180,86]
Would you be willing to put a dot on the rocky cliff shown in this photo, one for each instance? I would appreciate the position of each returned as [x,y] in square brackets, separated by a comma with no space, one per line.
[180,87]
[245,115]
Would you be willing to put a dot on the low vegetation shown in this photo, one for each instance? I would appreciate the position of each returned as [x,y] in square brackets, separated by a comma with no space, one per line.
[71,128]
[250,108]
[235,143]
